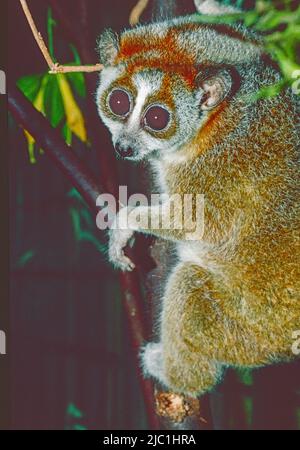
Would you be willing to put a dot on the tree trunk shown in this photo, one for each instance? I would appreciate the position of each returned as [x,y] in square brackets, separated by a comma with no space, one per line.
[175,411]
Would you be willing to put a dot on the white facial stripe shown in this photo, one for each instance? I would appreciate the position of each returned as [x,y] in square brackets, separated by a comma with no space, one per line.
[143,93]
[146,85]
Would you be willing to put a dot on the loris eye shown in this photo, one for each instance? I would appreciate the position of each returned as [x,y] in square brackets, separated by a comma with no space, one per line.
[119,102]
[157,118]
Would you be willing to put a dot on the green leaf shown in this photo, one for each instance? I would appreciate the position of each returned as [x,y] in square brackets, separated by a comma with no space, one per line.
[25,258]
[30,85]
[287,65]
[77,426]
[78,82]
[31,148]
[248,408]
[73,411]
[50,26]
[239,4]
[245,376]
[81,234]
[54,107]
[77,59]
[75,216]
[67,134]
[274,18]
[87,216]
[250,18]
[269,91]
[73,193]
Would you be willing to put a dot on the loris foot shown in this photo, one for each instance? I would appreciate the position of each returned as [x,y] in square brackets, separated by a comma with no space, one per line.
[152,361]
[182,373]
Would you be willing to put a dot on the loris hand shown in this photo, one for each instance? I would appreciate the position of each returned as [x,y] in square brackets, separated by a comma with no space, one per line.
[119,238]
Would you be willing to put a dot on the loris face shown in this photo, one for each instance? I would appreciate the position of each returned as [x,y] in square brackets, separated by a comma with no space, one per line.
[152,95]
[148,112]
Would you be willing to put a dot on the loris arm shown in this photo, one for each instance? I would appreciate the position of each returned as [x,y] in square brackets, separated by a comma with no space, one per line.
[179,217]
[174,219]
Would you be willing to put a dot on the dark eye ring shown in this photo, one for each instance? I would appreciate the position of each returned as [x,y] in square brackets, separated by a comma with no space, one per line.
[119,102]
[156,118]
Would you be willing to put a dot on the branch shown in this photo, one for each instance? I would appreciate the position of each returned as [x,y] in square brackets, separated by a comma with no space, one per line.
[54,67]
[57,68]
[176,411]
[75,171]
[37,35]
[50,140]
[137,11]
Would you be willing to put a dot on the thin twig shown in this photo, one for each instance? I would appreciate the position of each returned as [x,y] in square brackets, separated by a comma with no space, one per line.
[57,68]
[54,67]
[137,11]
[37,35]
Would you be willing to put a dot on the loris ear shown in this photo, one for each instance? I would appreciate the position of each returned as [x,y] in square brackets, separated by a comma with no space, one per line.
[216,88]
[108,47]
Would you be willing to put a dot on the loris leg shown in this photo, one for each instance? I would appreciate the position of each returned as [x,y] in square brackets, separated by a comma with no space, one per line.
[191,331]
[205,327]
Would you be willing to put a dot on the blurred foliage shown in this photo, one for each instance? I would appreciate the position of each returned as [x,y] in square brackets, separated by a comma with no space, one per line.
[74,412]
[245,376]
[83,222]
[248,410]
[73,417]
[279,24]
[25,258]
[55,97]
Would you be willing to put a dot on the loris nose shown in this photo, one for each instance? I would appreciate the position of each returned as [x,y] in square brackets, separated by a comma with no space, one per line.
[123,151]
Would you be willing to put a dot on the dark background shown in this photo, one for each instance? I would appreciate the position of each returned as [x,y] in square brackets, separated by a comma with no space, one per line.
[4,232]
[69,341]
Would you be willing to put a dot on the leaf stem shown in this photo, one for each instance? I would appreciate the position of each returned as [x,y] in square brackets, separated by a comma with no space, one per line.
[50,24]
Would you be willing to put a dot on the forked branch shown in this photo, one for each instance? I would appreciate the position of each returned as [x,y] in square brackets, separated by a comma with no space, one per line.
[137,11]
[54,67]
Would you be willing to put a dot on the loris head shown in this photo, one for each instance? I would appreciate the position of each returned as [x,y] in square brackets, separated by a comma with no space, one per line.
[162,82]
